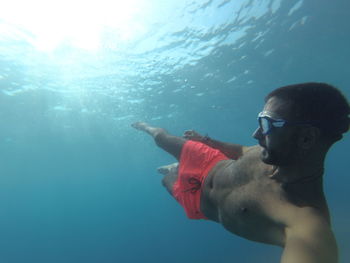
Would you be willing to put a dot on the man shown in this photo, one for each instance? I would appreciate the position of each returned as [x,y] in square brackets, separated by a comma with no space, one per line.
[273,192]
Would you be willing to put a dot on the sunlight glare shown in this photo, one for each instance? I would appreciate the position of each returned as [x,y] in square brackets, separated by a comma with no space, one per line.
[78,23]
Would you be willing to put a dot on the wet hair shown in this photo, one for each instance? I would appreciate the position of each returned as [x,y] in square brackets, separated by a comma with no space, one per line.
[319,103]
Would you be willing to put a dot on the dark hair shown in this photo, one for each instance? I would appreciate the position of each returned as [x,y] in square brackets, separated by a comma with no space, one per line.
[320,103]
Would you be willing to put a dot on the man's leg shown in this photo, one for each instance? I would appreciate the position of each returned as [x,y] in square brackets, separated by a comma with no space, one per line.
[169,143]
[170,173]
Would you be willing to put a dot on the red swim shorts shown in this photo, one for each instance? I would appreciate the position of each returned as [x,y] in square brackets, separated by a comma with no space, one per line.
[196,161]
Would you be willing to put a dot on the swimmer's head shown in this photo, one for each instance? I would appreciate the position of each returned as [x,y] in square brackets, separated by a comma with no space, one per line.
[319,103]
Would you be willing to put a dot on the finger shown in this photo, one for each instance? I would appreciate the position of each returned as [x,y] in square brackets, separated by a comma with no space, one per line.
[188,133]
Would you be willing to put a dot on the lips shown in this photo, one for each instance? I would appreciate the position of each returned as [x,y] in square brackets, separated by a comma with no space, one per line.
[262,145]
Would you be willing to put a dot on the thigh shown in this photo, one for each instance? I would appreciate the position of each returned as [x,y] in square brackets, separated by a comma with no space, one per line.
[169,180]
[171,144]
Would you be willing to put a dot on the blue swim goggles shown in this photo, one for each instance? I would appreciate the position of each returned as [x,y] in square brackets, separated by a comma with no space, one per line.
[267,123]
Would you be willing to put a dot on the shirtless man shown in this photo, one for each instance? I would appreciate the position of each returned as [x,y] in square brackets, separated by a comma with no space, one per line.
[273,192]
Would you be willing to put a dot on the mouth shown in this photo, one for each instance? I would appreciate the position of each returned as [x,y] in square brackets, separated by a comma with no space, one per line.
[262,145]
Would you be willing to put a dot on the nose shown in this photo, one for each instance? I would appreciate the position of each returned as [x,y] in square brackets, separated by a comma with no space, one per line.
[257,134]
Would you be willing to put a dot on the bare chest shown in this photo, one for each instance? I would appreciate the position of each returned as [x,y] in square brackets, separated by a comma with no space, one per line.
[253,211]
[248,203]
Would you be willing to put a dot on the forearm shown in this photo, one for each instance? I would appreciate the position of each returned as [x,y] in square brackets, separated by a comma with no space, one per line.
[233,151]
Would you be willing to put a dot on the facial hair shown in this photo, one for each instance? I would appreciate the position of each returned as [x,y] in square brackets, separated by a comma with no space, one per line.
[281,156]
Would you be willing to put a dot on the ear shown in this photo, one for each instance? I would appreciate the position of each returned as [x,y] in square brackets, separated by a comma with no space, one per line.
[308,137]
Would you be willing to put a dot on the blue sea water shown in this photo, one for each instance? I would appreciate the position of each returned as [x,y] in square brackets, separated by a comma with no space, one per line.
[78,184]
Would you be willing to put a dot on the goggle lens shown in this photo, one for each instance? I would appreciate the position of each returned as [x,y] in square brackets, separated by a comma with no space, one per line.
[264,125]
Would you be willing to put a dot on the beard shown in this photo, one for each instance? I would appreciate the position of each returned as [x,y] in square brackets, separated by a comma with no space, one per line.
[278,158]
[283,152]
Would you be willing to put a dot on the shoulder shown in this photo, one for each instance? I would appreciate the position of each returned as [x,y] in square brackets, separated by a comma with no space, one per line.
[305,220]
[309,235]
[248,149]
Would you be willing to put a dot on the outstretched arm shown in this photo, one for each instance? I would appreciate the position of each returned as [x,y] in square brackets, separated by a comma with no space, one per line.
[171,144]
[233,151]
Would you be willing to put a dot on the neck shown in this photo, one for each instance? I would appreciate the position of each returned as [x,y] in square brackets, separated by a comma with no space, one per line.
[298,174]
[304,186]
[307,168]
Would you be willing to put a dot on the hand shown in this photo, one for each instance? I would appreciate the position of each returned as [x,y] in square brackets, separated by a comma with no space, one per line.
[139,125]
[193,135]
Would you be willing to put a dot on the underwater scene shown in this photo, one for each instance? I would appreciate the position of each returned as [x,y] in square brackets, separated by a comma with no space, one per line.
[79,184]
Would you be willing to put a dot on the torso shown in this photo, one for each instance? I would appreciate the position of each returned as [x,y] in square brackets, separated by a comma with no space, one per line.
[243,197]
